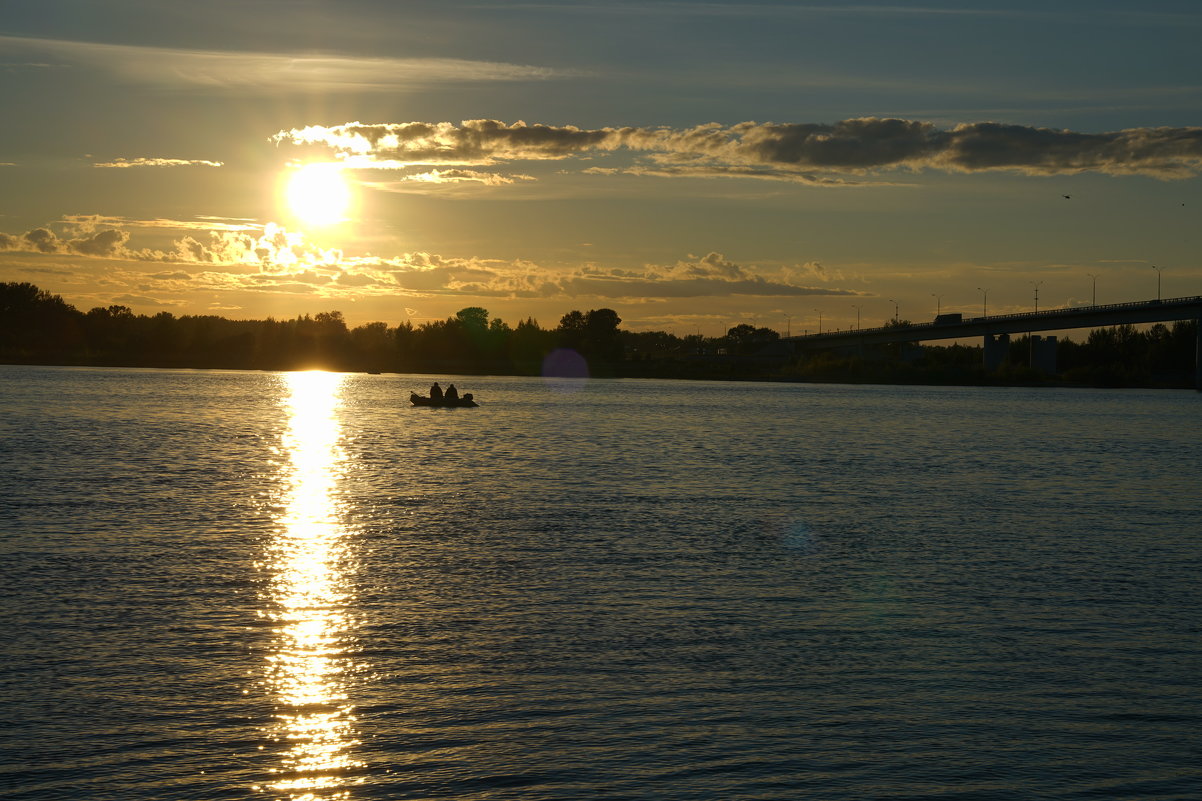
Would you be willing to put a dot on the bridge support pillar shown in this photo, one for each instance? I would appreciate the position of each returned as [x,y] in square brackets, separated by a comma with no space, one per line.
[1198,357]
[1043,354]
[997,348]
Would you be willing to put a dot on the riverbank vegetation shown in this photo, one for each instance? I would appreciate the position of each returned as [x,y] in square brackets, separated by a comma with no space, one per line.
[37,327]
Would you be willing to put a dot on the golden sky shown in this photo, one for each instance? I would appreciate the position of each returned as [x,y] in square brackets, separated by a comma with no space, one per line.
[690,165]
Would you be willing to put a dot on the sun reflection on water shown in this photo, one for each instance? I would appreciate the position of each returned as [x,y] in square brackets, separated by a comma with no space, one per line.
[308,601]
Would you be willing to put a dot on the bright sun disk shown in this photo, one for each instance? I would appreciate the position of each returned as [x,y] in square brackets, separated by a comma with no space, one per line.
[318,194]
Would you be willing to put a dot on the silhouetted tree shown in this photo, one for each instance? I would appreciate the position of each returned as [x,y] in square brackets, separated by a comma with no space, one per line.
[34,322]
[36,326]
[601,340]
[528,345]
[745,338]
[571,331]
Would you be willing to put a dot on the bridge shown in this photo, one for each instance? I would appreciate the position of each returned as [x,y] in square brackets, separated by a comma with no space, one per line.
[996,329]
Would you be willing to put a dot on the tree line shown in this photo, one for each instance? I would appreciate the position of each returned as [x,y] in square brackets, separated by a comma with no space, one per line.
[37,327]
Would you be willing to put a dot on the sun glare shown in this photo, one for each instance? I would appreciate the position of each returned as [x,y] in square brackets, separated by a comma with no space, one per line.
[309,595]
[317,194]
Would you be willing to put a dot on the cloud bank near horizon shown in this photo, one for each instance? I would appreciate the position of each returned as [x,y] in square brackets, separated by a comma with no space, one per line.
[781,151]
[275,259]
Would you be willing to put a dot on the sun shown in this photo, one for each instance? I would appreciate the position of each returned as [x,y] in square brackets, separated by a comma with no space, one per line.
[317,194]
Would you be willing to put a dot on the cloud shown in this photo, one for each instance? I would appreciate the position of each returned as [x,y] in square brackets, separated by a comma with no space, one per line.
[104,244]
[158,162]
[718,171]
[87,223]
[471,142]
[143,300]
[270,72]
[274,249]
[803,152]
[708,276]
[453,176]
[445,179]
[711,275]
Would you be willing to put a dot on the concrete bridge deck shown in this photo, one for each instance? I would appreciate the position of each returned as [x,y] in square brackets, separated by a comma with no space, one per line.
[1147,311]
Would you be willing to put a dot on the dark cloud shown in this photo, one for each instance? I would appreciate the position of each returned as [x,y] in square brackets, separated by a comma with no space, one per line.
[105,243]
[42,240]
[108,243]
[780,151]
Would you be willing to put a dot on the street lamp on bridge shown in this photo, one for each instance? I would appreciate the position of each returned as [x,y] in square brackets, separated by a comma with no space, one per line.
[984,301]
[1036,284]
[819,320]
[938,303]
[1094,298]
[857,308]
[1157,269]
[894,302]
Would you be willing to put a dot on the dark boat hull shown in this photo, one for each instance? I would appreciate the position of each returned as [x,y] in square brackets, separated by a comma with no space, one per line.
[457,403]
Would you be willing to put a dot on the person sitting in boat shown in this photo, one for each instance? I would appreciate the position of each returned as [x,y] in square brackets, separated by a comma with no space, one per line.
[435,392]
[451,394]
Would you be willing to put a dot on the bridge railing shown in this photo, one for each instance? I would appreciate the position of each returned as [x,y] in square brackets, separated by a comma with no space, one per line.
[994,318]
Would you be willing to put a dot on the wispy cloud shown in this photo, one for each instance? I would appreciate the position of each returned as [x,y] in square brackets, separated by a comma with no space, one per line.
[158,162]
[722,171]
[855,146]
[276,72]
[90,223]
[436,179]
[712,275]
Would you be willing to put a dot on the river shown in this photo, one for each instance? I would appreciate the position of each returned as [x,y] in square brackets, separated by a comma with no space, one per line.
[225,585]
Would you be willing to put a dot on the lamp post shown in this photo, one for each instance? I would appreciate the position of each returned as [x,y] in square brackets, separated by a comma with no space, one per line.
[1094,297]
[984,301]
[788,325]
[895,313]
[1036,284]
[938,303]
[857,308]
[819,320]
[1157,269]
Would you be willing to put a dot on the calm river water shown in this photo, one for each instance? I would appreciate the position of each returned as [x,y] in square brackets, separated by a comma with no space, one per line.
[222,585]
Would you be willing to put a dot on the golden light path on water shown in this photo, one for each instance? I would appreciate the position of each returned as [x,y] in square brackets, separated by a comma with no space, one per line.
[308,600]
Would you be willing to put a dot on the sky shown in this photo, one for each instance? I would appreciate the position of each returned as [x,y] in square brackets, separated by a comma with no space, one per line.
[691,165]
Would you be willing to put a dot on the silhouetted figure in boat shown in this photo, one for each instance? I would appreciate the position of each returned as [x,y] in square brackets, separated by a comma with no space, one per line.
[435,392]
[452,394]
